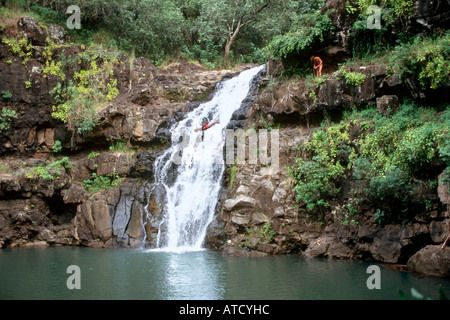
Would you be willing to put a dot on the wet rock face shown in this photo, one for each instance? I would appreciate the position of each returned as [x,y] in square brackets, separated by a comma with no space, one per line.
[117,218]
[240,116]
[123,216]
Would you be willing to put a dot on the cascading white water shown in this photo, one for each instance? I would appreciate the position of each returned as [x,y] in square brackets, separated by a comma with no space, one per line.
[191,170]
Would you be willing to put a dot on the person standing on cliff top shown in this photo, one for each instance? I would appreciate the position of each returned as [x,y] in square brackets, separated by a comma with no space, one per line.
[318,66]
[205,126]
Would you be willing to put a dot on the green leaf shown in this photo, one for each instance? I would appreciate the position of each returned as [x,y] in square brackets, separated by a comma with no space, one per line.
[416,294]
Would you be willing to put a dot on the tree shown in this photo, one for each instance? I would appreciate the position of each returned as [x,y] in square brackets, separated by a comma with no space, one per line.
[202,29]
[158,28]
[152,28]
[311,26]
[224,19]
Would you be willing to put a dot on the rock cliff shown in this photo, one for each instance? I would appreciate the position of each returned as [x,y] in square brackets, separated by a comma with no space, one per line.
[258,215]
[98,189]
[44,194]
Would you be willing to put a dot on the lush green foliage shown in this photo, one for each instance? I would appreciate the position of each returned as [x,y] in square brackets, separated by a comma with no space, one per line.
[19,47]
[315,178]
[6,95]
[57,147]
[393,8]
[91,88]
[375,41]
[233,172]
[197,29]
[119,146]
[93,155]
[395,151]
[220,22]
[51,171]
[386,155]
[310,29]
[98,183]
[353,78]
[427,60]
[6,116]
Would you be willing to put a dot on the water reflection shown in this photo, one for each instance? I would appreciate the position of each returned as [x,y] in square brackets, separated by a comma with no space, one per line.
[199,275]
[192,275]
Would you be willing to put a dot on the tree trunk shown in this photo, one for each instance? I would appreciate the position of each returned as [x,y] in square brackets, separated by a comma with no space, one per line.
[230,40]
[226,57]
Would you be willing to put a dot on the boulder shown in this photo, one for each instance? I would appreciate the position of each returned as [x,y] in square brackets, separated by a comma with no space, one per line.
[243,189]
[241,201]
[431,261]
[38,34]
[368,232]
[128,121]
[259,218]
[279,196]
[32,31]
[319,247]
[339,251]
[134,227]
[387,244]
[74,194]
[387,103]
[240,219]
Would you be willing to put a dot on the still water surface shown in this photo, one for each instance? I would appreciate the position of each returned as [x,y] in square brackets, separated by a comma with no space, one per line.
[204,275]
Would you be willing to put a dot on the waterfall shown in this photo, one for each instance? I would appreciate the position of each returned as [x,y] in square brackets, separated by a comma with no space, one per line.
[191,170]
